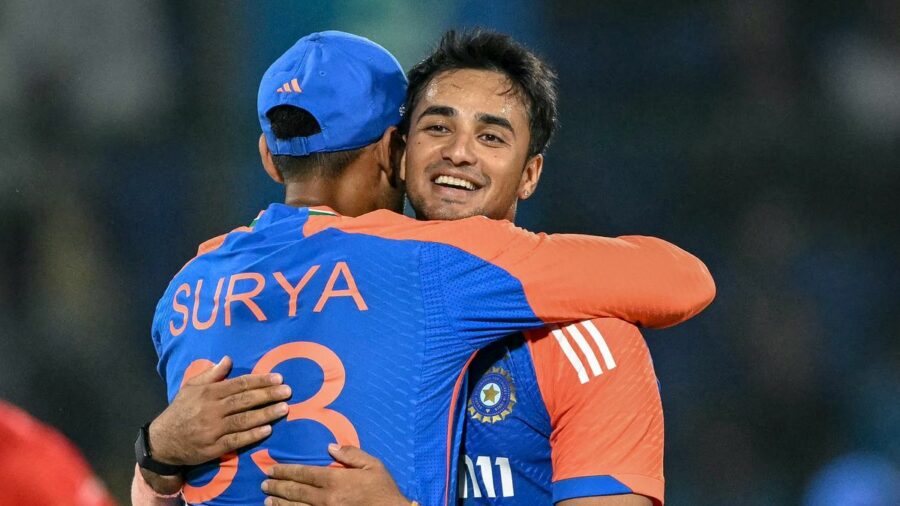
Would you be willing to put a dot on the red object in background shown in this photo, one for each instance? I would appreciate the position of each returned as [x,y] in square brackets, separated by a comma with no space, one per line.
[40,466]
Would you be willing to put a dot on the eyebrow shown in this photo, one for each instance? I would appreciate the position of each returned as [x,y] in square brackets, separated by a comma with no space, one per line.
[449,112]
[438,110]
[501,122]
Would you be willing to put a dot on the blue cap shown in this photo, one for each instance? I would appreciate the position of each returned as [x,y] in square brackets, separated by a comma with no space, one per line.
[352,86]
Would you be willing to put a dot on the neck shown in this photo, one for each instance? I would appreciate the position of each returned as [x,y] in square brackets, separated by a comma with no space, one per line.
[312,192]
[511,213]
[332,192]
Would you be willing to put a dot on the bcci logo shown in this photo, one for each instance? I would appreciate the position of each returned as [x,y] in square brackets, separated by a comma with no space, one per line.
[494,396]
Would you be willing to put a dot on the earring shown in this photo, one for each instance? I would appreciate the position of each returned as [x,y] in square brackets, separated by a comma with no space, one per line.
[525,193]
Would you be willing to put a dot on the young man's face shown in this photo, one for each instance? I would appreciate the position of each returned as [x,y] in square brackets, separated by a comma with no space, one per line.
[467,148]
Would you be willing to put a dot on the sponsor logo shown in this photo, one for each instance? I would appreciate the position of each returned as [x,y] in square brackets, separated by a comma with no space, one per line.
[291,87]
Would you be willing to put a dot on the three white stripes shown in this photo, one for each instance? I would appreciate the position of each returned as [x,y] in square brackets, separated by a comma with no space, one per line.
[585,348]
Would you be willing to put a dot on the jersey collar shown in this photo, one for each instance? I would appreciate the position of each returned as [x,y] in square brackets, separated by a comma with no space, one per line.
[277,212]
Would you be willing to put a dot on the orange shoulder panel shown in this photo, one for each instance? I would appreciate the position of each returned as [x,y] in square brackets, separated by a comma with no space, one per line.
[566,277]
[211,245]
[597,380]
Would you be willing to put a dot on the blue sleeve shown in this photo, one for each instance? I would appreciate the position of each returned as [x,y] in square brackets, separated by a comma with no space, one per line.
[159,327]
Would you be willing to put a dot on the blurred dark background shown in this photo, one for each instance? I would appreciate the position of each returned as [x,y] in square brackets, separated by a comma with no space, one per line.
[762,135]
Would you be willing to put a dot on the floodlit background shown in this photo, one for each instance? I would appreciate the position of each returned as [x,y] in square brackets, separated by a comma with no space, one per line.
[762,135]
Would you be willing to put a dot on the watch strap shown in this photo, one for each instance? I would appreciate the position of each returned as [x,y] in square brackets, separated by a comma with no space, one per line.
[145,459]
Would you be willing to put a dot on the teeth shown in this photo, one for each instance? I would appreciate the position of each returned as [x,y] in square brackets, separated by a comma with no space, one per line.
[454,181]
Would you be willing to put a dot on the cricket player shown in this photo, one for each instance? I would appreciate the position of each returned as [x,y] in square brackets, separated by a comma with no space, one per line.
[568,414]
[384,310]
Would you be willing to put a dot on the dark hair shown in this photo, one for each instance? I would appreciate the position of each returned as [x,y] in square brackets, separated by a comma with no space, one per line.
[289,122]
[531,78]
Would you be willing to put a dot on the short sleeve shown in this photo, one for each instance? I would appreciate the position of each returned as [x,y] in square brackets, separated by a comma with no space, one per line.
[597,380]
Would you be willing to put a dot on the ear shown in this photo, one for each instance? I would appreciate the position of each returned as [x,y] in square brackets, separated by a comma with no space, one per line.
[398,156]
[268,163]
[384,154]
[530,177]
[401,155]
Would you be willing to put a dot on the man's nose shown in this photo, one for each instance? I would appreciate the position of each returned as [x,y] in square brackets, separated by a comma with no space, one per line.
[459,151]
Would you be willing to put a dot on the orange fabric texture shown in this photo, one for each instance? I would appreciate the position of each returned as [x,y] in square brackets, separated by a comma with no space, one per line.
[566,277]
[213,244]
[604,404]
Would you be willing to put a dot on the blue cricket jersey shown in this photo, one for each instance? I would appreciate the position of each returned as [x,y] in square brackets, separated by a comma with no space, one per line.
[372,321]
[574,414]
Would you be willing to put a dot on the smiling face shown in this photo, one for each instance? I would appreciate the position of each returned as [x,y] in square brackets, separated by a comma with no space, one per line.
[467,148]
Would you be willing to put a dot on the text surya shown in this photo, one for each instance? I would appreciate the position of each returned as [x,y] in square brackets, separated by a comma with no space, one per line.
[243,287]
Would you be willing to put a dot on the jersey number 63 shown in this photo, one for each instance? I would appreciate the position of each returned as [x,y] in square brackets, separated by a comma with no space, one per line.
[315,408]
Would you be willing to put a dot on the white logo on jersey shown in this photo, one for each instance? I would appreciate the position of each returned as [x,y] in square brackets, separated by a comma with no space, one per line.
[586,349]
[483,462]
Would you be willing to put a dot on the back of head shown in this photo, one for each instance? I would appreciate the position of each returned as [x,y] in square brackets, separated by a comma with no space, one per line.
[530,77]
[288,122]
[327,97]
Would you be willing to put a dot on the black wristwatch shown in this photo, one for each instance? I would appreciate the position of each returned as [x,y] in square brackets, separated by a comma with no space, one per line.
[145,459]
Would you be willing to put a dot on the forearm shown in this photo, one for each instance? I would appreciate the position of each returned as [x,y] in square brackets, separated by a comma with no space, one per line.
[643,280]
[143,493]
[210,417]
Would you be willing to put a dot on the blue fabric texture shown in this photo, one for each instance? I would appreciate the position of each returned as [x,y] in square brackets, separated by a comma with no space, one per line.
[398,318]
